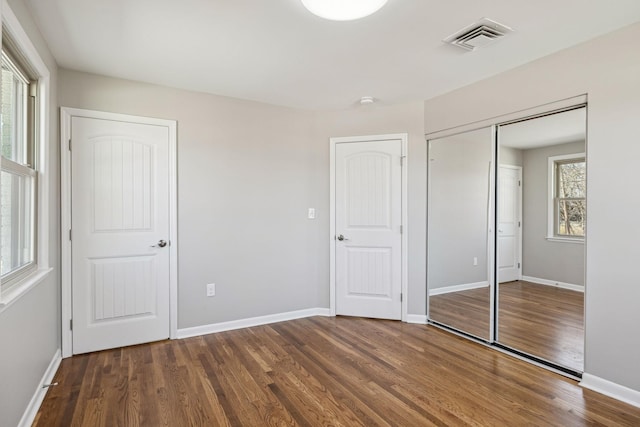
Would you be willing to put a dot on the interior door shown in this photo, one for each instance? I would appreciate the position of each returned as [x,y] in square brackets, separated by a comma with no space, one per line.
[120,230]
[509,223]
[368,222]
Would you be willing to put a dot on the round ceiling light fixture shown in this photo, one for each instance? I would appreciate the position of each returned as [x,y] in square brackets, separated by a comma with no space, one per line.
[343,10]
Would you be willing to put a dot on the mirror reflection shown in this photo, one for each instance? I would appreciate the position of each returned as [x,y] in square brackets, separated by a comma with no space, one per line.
[460,251]
[541,208]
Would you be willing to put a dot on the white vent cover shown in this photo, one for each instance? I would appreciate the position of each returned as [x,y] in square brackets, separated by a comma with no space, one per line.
[478,34]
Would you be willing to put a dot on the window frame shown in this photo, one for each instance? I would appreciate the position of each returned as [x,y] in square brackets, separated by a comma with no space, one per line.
[552,215]
[28,134]
[17,69]
[22,49]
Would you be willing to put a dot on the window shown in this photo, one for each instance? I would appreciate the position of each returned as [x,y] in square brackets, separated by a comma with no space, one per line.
[18,176]
[568,203]
[24,164]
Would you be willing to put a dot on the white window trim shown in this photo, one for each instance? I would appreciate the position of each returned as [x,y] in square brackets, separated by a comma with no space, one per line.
[12,26]
[551,181]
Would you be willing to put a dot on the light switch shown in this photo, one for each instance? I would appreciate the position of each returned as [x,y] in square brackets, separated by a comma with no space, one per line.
[312,213]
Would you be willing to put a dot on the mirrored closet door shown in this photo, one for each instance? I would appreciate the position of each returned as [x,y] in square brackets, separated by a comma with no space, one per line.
[460,240]
[506,235]
[541,213]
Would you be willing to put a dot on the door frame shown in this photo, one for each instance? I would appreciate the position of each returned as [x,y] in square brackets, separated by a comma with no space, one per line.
[520,217]
[66,114]
[404,138]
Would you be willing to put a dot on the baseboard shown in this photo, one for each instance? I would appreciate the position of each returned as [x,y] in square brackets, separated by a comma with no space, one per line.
[458,288]
[562,285]
[34,405]
[420,319]
[611,389]
[252,321]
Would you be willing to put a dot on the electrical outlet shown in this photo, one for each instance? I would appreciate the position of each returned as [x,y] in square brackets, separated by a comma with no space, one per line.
[475,260]
[311,214]
[211,289]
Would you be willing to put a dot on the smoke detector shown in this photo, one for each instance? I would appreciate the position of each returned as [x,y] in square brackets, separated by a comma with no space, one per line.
[478,34]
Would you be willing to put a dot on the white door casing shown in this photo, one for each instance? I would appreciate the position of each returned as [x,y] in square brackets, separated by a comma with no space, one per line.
[509,223]
[367,213]
[122,216]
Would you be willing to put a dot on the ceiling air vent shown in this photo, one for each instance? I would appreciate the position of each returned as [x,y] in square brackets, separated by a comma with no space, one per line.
[478,34]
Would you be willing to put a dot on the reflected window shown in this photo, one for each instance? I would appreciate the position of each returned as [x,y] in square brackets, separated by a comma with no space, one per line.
[568,196]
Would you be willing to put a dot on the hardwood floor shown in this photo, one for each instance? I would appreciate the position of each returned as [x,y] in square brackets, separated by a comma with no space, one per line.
[468,311]
[544,321]
[541,320]
[320,371]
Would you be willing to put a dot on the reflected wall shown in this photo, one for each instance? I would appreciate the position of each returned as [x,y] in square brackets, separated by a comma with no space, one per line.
[459,243]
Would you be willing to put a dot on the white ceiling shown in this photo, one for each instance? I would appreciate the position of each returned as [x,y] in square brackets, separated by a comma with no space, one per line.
[276,52]
[559,128]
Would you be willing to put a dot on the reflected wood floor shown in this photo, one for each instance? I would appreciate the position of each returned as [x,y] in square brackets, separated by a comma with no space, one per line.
[320,371]
[541,320]
[468,311]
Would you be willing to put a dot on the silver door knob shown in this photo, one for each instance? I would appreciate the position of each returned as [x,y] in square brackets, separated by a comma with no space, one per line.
[160,244]
[341,238]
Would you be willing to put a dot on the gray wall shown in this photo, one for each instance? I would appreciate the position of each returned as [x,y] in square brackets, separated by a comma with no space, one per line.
[604,69]
[30,328]
[459,171]
[510,156]
[246,176]
[247,172]
[542,258]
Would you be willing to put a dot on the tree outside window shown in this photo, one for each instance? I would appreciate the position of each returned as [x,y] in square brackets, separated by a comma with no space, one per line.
[570,198]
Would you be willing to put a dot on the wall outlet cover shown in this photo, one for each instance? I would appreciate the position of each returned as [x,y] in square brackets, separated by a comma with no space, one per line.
[211,289]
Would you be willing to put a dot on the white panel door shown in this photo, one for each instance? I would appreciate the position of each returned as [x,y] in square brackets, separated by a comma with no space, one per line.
[368,229]
[120,232]
[509,223]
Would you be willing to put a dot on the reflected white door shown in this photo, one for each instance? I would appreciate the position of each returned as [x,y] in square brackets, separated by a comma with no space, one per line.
[120,229]
[368,219]
[509,223]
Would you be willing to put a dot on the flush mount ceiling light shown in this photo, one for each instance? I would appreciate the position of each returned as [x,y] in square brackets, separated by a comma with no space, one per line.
[343,10]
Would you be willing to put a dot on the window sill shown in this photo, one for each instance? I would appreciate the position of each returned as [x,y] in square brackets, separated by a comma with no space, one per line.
[17,291]
[579,241]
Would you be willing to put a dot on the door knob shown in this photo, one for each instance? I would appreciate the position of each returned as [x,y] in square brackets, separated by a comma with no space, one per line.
[160,244]
[341,238]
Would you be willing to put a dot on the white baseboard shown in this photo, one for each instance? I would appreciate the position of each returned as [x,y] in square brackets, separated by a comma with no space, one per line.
[420,319]
[458,288]
[252,321]
[34,405]
[611,389]
[571,287]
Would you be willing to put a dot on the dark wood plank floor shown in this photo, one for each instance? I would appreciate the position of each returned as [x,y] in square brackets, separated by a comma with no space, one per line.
[320,371]
[541,320]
